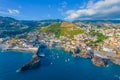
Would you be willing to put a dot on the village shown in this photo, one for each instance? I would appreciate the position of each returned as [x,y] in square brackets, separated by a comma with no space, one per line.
[100,42]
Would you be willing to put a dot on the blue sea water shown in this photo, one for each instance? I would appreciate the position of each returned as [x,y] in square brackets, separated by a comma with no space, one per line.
[57,65]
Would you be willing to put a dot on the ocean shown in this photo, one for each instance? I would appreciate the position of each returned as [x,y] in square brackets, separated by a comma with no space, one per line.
[56,65]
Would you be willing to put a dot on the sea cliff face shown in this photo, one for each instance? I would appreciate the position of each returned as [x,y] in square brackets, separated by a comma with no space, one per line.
[33,64]
[98,61]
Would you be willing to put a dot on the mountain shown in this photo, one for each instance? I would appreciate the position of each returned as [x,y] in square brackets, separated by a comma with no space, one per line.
[98,23]
[8,23]
[66,29]
[10,26]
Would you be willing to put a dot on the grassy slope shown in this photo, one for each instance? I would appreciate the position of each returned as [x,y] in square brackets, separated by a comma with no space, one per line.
[62,29]
[100,38]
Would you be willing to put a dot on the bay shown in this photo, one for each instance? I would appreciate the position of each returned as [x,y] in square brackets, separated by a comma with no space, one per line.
[57,65]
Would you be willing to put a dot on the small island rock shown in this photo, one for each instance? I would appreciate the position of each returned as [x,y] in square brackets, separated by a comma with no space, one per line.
[33,64]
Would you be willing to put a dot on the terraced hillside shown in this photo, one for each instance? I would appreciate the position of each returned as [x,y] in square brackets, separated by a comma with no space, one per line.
[62,29]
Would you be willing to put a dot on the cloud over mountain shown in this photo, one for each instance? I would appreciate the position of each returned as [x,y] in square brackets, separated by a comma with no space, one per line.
[13,11]
[103,9]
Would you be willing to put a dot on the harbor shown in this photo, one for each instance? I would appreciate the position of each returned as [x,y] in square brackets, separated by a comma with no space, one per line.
[55,68]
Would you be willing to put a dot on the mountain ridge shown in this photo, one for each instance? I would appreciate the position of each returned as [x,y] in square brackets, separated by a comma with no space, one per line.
[13,26]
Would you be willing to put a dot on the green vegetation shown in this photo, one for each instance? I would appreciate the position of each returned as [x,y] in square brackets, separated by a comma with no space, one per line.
[15,38]
[67,31]
[16,32]
[92,43]
[100,38]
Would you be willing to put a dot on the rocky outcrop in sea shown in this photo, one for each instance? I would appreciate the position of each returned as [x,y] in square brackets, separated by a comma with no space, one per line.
[98,61]
[33,64]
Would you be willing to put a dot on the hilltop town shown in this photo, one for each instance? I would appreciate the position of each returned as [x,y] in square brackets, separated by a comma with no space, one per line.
[100,44]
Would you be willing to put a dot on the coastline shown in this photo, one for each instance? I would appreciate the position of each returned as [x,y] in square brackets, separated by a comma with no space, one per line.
[32,50]
[17,49]
[96,57]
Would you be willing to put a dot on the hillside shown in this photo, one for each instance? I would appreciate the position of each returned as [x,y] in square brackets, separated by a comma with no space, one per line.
[98,23]
[10,26]
[62,29]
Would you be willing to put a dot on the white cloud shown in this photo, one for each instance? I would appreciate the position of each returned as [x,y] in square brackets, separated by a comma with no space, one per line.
[103,9]
[13,11]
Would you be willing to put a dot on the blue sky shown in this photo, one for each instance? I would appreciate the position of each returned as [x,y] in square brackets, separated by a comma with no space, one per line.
[60,9]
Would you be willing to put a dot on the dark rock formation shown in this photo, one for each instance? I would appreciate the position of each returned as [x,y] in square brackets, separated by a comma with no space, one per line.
[33,64]
[99,61]
[77,50]
[84,55]
[42,45]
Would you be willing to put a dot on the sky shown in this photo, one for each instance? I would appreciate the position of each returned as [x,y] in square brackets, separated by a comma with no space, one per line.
[61,9]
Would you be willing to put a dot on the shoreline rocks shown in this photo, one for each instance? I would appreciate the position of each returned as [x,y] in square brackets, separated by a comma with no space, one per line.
[33,64]
[98,61]
[116,61]
[86,54]
[90,54]
[82,55]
